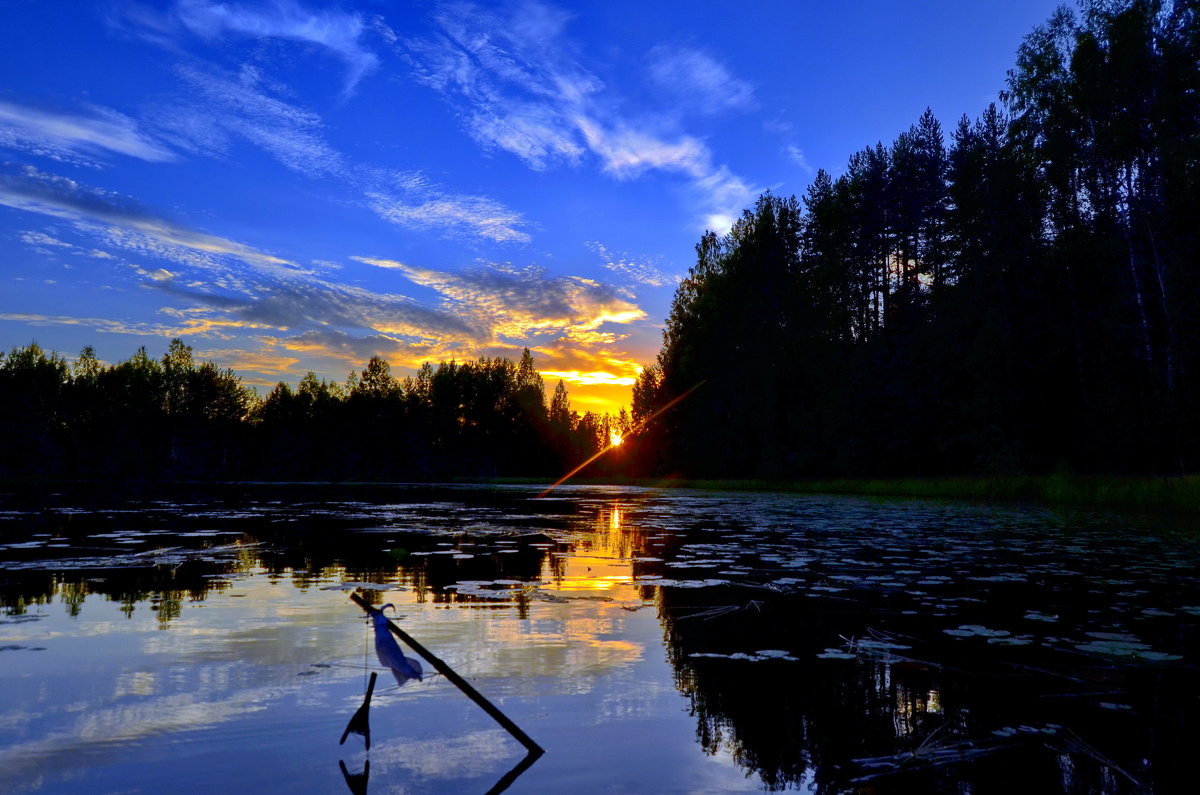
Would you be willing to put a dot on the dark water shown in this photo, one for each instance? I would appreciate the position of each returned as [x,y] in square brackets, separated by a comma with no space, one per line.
[651,641]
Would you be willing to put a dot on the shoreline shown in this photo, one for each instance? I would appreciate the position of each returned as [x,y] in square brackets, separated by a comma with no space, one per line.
[1173,494]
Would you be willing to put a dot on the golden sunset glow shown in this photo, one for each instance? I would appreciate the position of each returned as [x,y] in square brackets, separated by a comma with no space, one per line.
[590,378]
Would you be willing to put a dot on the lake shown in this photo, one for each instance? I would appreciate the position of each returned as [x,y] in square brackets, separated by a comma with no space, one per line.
[203,639]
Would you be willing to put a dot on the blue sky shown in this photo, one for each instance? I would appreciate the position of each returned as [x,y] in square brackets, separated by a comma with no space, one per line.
[298,185]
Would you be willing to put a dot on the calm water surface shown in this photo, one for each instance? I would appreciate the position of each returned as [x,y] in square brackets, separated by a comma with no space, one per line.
[651,641]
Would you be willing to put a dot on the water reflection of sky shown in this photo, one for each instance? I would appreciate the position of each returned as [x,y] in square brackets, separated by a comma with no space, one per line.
[651,642]
[246,684]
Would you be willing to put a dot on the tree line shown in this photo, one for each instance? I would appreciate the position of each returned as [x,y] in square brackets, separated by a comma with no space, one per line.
[176,418]
[1021,298]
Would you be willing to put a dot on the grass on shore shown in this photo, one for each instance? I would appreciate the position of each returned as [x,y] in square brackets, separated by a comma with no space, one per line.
[1143,492]
[1178,493]
[1175,494]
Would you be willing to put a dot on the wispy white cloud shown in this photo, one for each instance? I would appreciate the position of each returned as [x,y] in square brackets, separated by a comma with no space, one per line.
[41,239]
[336,31]
[796,155]
[727,195]
[476,215]
[515,78]
[237,285]
[697,81]
[514,74]
[231,106]
[104,325]
[639,272]
[628,152]
[65,136]
[240,107]
[29,189]
[790,149]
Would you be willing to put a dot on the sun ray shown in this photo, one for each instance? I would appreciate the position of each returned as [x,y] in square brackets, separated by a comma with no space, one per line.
[616,439]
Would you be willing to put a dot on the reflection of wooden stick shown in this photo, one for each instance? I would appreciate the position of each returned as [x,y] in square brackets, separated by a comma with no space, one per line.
[506,781]
[360,721]
[535,750]
[357,782]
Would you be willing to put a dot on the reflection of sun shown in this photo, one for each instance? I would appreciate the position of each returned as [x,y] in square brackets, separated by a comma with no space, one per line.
[615,439]
[600,560]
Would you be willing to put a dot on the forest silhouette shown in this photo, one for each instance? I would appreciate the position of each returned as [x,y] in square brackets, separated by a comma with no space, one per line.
[1022,299]
[174,418]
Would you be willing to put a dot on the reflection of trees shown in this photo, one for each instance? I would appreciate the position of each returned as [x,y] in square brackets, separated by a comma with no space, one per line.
[302,541]
[166,587]
[808,721]
[72,595]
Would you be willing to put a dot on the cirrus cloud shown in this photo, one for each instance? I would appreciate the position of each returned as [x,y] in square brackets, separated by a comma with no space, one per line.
[72,137]
[514,78]
[336,31]
[698,81]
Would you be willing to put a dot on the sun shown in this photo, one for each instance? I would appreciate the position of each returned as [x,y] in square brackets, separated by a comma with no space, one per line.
[615,439]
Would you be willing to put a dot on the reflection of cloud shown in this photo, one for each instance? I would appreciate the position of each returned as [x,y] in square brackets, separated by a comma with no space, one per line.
[697,80]
[460,756]
[94,735]
[65,137]
[519,89]
[333,30]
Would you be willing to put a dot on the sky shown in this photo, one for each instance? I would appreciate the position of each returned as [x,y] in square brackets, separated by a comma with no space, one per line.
[299,185]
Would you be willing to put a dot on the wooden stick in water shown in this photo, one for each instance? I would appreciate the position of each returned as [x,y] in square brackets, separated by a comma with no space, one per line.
[535,750]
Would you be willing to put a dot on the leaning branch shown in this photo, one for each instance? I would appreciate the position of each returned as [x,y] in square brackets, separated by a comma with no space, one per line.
[535,750]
